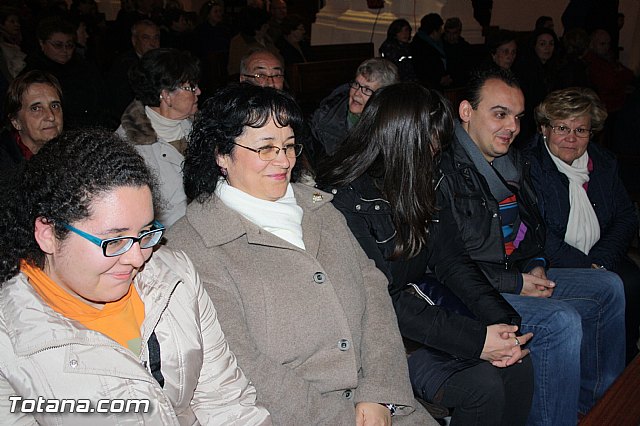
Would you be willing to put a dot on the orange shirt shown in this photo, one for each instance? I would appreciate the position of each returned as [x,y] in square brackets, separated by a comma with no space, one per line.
[120,320]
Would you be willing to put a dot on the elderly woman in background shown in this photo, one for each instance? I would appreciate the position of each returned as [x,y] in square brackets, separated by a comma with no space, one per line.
[90,313]
[33,105]
[502,49]
[589,217]
[305,311]
[157,122]
[339,111]
[464,361]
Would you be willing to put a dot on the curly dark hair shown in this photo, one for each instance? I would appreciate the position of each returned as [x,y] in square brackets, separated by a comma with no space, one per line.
[222,119]
[397,141]
[59,184]
[291,23]
[54,24]
[162,69]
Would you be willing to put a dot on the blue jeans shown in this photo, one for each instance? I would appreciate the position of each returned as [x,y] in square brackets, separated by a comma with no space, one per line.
[583,320]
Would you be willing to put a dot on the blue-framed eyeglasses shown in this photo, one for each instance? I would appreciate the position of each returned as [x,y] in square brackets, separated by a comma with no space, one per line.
[112,247]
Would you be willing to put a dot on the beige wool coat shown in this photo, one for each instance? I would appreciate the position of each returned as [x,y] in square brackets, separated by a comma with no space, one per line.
[314,330]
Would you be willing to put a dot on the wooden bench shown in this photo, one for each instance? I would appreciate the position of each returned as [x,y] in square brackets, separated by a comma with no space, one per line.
[620,405]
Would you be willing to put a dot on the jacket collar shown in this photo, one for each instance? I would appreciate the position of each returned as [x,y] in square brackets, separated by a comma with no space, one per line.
[33,326]
[230,225]
[137,125]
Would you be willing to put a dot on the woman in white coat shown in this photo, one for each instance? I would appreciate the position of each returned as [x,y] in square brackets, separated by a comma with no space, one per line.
[94,327]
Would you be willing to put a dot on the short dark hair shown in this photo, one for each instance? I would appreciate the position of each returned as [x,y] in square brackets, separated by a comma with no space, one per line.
[451,23]
[542,21]
[6,12]
[478,79]
[501,37]
[20,84]
[431,22]
[142,23]
[162,69]
[54,24]
[251,19]
[395,27]
[206,8]
[222,119]
[290,23]
[397,139]
[59,185]
[172,15]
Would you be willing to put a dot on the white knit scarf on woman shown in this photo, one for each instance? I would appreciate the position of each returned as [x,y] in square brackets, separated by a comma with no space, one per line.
[282,217]
[583,229]
[168,130]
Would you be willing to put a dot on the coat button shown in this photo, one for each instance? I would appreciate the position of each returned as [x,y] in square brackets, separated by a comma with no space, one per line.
[73,363]
[344,344]
[358,207]
[334,191]
[495,215]
[376,207]
[348,394]
[319,278]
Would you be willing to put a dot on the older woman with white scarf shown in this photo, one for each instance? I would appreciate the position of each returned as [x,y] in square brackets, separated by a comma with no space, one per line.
[589,217]
[157,122]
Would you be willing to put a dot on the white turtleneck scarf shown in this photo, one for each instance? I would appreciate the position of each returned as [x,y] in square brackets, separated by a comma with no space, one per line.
[583,229]
[282,217]
[168,130]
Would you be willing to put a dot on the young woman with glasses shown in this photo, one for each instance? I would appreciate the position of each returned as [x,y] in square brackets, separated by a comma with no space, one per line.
[91,314]
[305,311]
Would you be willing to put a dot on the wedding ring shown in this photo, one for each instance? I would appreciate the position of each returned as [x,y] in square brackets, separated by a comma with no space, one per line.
[517,342]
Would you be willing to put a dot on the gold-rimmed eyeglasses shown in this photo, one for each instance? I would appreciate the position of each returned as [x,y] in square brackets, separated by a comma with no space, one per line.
[270,152]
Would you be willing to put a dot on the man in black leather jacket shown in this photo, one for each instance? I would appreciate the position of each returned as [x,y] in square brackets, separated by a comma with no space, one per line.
[574,314]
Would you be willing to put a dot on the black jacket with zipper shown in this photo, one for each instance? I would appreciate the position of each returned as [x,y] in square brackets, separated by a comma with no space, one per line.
[465,193]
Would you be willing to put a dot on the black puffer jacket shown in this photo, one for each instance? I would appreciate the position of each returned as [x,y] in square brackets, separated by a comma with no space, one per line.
[453,342]
[369,218]
[465,192]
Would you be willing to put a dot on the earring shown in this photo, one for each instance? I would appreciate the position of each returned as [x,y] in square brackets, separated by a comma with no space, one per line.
[161,97]
[223,171]
[544,138]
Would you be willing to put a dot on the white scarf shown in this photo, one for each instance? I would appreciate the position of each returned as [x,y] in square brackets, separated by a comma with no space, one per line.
[168,130]
[583,229]
[283,218]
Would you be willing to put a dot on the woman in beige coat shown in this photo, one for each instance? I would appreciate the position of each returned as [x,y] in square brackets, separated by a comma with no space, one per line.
[94,328]
[305,311]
